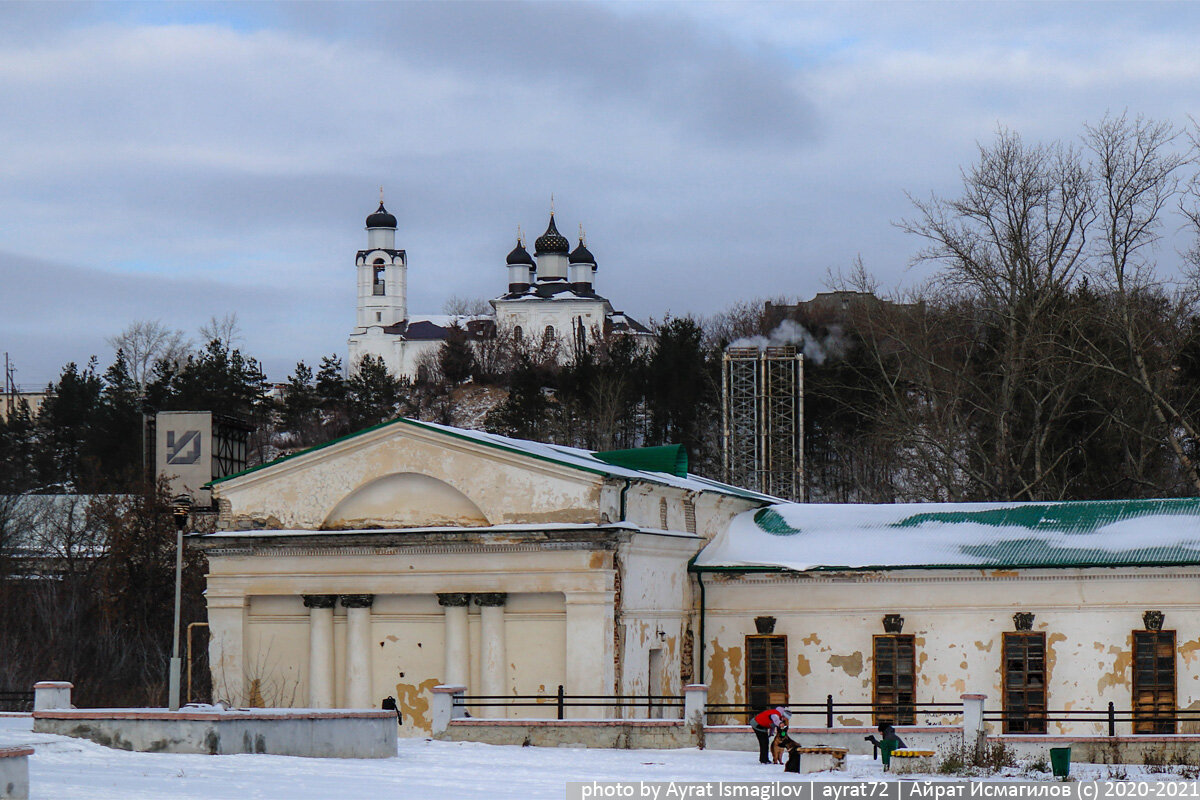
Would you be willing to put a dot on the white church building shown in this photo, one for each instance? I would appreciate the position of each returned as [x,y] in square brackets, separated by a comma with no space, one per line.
[551,296]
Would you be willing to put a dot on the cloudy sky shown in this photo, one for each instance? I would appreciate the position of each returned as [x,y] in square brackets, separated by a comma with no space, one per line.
[175,162]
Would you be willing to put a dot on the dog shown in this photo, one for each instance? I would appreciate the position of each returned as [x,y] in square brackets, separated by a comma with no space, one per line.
[780,744]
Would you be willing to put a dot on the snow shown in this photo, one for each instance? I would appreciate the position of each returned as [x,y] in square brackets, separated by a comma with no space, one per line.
[848,536]
[577,457]
[74,769]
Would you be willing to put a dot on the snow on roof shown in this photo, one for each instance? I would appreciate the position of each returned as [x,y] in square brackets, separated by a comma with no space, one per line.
[1068,534]
[559,454]
[586,460]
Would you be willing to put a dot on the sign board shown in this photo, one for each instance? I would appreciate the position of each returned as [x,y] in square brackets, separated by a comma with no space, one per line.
[183,452]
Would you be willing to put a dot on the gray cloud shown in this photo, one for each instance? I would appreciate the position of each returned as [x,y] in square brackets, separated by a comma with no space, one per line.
[228,153]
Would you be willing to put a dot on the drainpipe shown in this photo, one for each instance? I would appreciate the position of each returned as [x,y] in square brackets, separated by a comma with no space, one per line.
[700,580]
[624,489]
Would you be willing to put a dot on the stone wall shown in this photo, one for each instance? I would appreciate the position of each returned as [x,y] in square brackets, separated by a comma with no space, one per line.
[651,734]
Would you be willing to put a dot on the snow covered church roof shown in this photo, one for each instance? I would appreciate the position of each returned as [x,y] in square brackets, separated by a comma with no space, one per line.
[944,535]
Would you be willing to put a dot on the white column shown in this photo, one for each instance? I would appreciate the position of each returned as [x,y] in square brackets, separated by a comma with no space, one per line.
[358,649]
[974,728]
[590,648]
[493,672]
[52,694]
[458,651]
[226,622]
[320,649]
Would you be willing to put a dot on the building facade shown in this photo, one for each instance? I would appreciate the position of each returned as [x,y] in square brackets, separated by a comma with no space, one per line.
[412,555]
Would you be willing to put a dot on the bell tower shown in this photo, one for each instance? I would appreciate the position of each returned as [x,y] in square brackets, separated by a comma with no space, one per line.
[382,274]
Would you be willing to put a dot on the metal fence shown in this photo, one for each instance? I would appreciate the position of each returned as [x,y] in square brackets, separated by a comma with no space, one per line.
[16,700]
[814,714]
[560,701]
[1143,723]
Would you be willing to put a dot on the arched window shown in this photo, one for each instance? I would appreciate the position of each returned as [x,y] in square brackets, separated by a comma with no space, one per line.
[378,288]
[549,332]
[518,334]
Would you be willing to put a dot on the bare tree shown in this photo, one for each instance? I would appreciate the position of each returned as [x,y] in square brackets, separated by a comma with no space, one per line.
[1138,166]
[225,330]
[458,306]
[1011,249]
[146,342]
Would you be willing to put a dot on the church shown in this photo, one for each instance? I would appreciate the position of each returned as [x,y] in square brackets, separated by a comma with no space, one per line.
[551,298]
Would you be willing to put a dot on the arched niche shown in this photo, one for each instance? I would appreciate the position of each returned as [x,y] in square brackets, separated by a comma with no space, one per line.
[404,500]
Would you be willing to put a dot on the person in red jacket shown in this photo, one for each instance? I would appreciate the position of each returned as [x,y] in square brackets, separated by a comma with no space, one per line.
[764,725]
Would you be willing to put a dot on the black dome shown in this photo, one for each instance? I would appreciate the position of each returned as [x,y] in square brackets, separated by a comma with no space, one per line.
[551,241]
[581,255]
[381,219]
[520,255]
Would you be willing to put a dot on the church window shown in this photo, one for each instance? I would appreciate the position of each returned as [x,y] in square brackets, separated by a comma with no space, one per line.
[1024,682]
[549,332]
[895,678]
[766,671]
[518,334]
[379,316]
[1154,681]
[379,285]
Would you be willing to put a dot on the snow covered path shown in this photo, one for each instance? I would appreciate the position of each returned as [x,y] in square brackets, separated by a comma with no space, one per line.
[71,769]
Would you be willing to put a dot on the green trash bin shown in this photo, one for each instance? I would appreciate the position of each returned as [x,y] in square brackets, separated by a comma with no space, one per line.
[885,749]
[1060,761]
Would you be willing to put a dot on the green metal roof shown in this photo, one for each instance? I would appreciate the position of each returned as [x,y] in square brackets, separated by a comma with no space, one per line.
[993,535]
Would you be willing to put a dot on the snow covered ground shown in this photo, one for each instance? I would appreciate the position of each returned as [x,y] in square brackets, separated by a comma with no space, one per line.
[71,769]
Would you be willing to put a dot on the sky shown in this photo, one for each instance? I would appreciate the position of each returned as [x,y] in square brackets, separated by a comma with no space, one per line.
[179,162]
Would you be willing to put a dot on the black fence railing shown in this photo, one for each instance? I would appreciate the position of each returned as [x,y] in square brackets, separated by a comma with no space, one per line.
[16,700]
[814,714]
[560,701]
[1143,722]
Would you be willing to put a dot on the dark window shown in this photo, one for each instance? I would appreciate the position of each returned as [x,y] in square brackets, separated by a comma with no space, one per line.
[379,283]
[895,679]
[549,332]
[1024,682]
[766,671]
[1154,681]
[518,334]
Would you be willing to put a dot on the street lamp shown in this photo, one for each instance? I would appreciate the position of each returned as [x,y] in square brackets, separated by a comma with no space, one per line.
[182,507]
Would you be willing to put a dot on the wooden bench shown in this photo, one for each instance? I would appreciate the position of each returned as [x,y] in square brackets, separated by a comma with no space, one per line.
[908,761]
[816,759]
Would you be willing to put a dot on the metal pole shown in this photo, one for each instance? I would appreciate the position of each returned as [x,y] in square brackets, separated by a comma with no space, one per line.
[182,506]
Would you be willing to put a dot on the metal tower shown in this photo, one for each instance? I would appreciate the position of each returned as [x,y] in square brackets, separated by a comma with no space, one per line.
[762,404]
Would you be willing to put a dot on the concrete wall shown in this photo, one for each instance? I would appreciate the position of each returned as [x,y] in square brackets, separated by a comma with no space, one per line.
[655,606]
[632,734]
[14,772]
[310,734]
[957,618]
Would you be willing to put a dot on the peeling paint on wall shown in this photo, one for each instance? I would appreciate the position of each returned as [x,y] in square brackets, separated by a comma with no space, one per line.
[802,665]
[1119,674]
[812,638]
[984,647]
[725,673]
[413,702]
[852,664]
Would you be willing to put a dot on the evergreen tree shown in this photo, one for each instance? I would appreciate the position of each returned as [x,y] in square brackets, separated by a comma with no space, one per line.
[455,357]
[373,394]
[65,427]
[681,387]
[300,413]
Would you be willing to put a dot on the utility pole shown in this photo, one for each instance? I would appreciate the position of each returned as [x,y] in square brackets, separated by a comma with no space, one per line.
[183,505]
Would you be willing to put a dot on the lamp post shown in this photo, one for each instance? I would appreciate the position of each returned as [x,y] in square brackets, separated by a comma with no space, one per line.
[182,506]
